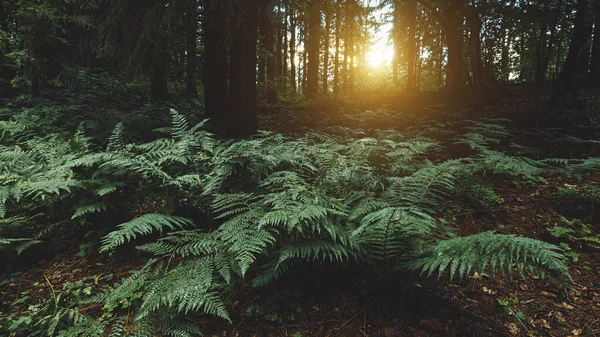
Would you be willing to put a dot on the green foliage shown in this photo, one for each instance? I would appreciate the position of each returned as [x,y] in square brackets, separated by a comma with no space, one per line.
[585,192]
[575,232]
[276,203]
[143,225]
[494,251]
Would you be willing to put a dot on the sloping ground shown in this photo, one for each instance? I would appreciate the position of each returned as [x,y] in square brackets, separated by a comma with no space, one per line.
[335,300]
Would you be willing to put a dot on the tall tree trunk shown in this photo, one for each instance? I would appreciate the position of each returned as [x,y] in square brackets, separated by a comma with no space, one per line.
[159,83]
[326,39]
[292,50]
[312,47]
[272,73]
[522,75]
[262,55]
[567,75]
[411,46]
[3,21]
[285,66]
[505,57]
[595,64]
[455,78]
[544,51]
[474,22]
[336,61]
[278,54]
[345,70]
[396,39]
[215,74]
[583,64]
[440,59]
[243,121]
[303,80]
[191,86]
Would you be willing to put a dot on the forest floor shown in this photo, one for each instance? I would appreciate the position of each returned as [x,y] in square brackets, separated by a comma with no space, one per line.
[327,300]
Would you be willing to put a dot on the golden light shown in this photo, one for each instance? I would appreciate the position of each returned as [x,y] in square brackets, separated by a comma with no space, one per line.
[381,51]
[380,55]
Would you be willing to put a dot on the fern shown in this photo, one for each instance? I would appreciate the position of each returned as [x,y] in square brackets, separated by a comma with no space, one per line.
[494,251]
[143,225]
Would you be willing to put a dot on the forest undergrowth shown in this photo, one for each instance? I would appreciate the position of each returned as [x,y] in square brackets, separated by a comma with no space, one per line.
[182,234]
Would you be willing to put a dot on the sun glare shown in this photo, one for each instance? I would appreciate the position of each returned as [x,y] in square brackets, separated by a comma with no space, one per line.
[381,52]
[380,55]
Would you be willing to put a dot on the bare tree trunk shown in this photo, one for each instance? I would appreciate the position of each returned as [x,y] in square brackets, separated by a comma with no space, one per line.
[336,62]
[191,86]
[159,86]
[567,75]
[3,22]
[440,59]
[272,73]
[326,38]
[242,84]
[216,91]
[312,47]
[285,66]
[262,55]
[292,50]
[396,41]
[455,77]
[595,64]
[411,53]
[475,23]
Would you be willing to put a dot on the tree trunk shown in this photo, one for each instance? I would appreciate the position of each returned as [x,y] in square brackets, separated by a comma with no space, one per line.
[396,40]
[326,39]
[505,57]
[312,47]
[284,66]
[271,85]
[278,54]
[159,85]
[242,85]
[477,69]
[455,77]
[191,86]
[215,74]
[3,22]
[595,64]
[522,74]
[292,50]
[544,51]
[262,55]
[440,59]
[567,75]
[411,46]
[583,64]
[336,61]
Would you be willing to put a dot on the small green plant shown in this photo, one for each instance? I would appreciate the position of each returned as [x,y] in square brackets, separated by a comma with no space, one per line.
[509,305]
[585,192]
[575,232]
[485,195]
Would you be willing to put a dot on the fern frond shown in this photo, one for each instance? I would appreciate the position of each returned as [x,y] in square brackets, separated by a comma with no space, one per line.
[143,225]
[89,209]
[191,286]
[497,251]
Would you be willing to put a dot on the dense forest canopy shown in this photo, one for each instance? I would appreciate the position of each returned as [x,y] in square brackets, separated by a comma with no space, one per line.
[299,168]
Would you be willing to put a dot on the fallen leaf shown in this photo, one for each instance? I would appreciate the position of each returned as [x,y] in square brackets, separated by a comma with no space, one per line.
[513,329]
[489,291]
[547,294]
[565,305]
